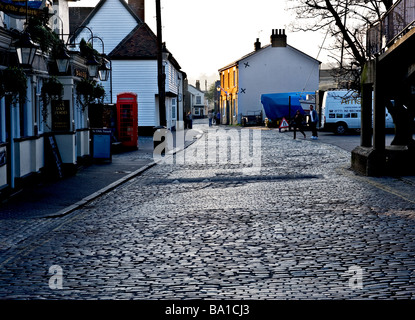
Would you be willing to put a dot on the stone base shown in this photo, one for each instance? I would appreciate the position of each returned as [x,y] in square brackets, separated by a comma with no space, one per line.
[368,161]
[395,160]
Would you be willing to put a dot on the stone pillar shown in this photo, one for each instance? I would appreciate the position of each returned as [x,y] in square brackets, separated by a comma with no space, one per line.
[366,116]
[379,110]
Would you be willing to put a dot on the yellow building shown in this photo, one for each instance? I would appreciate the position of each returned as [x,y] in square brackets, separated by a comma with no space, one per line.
[229,94]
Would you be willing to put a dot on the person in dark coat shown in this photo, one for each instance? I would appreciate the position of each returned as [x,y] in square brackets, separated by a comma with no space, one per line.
[298,124]
[189,120]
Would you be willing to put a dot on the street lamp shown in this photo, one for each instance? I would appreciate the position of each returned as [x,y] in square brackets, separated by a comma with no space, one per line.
[62,60]
[26,49]
[104,70]
[92,65]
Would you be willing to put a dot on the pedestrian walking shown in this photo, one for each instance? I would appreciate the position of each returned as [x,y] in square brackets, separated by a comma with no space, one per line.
[298,124]
[210,117]
[313,122]
[186,120]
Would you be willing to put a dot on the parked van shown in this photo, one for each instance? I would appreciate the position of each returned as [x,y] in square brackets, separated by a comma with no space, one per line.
[340,111]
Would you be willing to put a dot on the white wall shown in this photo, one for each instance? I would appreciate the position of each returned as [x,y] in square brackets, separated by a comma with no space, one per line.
[107,25]
[275,70]
[137,76]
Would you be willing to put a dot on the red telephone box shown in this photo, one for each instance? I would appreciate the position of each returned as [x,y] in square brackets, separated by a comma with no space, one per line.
[127,119]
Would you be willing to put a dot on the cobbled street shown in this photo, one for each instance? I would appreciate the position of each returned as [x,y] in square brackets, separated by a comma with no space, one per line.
[293,223]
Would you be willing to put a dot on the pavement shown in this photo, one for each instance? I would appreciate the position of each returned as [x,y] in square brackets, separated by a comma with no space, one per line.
[48,199]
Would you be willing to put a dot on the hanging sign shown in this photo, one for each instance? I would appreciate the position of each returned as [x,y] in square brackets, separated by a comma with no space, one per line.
[18,9]
[61,120]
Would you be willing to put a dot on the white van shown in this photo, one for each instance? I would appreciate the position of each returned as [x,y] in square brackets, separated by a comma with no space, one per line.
[340,111]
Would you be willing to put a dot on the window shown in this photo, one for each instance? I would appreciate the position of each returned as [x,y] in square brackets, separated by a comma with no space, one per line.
[173,108]
[234,108]
[23,109]
[198,100]
[234,78]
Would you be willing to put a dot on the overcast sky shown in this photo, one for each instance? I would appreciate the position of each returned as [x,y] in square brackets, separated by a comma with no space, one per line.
[205,35]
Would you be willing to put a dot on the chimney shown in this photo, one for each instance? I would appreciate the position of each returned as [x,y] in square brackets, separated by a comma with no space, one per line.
[198,85]
[278,38]
[257,44]
[138,7]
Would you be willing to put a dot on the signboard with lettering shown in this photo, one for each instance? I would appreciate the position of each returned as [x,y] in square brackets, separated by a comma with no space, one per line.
[61,120]
[81,73]
[17,9]
[101,144]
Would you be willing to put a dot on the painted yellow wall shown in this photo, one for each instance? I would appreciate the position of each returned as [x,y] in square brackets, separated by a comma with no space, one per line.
[229,83]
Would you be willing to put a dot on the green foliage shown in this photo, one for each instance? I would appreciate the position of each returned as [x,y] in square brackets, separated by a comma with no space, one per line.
[210,94]
[87,91]
[13,82]
[41,33]
[52,89]
[87,51]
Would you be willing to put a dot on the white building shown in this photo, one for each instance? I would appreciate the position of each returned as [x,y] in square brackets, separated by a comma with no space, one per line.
[132,48]
[274,68]
[197,102]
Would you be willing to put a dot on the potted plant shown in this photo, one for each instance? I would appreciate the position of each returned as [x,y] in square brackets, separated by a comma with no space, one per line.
[87,92]
[41,33]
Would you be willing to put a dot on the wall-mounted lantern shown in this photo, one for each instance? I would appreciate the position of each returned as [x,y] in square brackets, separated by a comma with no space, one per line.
[62,60]
[104,70]
[26,49]
[92,65]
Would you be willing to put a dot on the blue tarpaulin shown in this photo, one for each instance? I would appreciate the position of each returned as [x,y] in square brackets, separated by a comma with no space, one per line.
[278,106]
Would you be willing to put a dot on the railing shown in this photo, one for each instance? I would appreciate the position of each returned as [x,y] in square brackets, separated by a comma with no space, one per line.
[394,23]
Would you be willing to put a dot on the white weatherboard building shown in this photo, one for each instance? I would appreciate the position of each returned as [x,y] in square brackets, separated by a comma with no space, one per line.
[132,48]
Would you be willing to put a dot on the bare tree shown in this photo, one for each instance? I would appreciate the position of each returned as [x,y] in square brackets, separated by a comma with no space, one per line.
[346,22]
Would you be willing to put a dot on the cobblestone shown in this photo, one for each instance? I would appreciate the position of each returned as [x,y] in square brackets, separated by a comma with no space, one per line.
[212,231]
